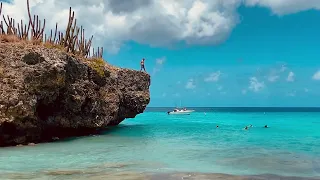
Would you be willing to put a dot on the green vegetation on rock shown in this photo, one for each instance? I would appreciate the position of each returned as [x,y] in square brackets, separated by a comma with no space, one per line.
[97,64]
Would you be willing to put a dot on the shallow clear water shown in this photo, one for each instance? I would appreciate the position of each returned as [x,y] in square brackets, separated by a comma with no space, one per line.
[157,142]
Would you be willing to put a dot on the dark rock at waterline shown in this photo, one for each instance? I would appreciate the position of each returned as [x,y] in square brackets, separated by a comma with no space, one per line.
[46,94]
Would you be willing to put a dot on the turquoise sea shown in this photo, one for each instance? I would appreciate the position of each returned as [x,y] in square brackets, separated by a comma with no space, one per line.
[155,143]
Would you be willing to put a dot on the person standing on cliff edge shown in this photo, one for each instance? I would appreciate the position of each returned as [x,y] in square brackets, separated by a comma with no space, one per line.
[142,65]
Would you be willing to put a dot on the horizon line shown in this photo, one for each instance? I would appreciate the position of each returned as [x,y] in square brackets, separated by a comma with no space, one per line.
[240,109]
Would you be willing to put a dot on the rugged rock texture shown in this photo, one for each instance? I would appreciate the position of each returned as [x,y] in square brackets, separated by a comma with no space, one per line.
[46,94]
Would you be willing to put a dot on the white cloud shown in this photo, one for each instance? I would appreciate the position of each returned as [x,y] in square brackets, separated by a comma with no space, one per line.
[291,76]
[283,68]
[160,61]
[316,76]
[276,72]
[255,85]
[190,84]
[152,22]
[159,64]
[273,78]
[282,7]
[213,77]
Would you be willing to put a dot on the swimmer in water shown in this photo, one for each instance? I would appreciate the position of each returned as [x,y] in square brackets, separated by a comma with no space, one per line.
[246,128]
[266,126]
[217,126]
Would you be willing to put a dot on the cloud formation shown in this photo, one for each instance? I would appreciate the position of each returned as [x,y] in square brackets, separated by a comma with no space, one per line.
[160,61]
[276,72]
[159,64]
[273,78]
[290,77]
[213,77]
[190,84]
[316,76]
[283,7]
[156,23]
[255,85]
[152,22]
[123,6]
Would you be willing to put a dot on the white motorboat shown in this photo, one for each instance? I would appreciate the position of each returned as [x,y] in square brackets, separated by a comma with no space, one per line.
[183,111]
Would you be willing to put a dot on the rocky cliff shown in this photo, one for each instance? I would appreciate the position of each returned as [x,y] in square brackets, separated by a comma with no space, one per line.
[46,94]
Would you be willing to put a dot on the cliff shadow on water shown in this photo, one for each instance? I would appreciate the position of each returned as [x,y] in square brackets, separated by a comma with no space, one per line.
[51,89]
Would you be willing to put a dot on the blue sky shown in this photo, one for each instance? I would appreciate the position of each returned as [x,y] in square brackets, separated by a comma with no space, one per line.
[268,60]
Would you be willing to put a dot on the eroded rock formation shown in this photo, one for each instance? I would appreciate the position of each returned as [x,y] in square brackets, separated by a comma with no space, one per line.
[47,94]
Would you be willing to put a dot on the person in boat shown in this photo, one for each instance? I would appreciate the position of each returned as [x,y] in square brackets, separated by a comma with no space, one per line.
[142,65]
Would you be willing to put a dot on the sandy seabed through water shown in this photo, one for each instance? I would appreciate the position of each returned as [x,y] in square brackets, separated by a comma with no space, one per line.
[119,171]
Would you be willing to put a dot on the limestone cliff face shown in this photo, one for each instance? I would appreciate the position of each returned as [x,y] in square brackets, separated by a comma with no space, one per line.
[47,94]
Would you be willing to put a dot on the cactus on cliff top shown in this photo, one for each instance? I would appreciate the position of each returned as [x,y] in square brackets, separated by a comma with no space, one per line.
[72,40]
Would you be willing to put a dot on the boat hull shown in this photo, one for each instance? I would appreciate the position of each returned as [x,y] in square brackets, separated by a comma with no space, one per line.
[188,112]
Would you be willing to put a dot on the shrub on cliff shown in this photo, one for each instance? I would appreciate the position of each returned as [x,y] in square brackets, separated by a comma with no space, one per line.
[72,40]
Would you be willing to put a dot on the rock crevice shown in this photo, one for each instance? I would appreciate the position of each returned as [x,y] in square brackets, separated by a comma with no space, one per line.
[48,94]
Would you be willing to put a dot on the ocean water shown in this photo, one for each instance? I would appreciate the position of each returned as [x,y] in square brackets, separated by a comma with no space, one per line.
[155,143]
